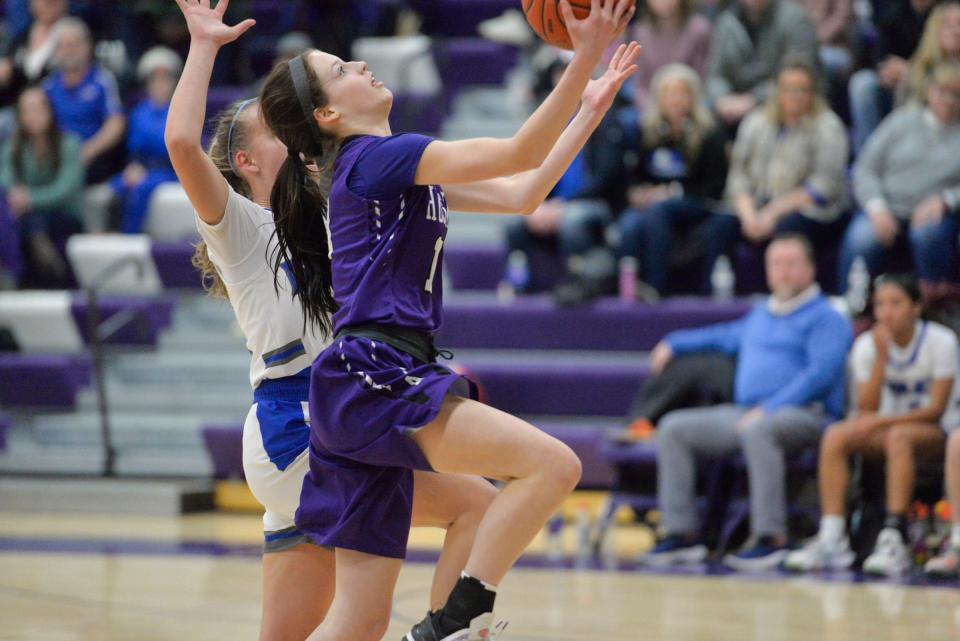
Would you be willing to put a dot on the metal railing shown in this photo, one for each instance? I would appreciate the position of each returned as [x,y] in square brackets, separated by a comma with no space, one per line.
[98,333]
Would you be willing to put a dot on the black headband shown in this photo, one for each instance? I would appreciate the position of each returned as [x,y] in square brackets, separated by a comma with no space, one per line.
[298,71]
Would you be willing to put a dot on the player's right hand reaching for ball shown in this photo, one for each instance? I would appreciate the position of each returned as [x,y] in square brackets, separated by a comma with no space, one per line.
[605,24]
[206,24]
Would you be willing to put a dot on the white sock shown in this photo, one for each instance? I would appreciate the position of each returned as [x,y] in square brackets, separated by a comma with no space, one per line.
[832,528]
[955,535]
[491,588]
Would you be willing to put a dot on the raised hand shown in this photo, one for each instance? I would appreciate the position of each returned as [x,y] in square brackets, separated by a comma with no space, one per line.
[600,93]
[206,23]
[606,22]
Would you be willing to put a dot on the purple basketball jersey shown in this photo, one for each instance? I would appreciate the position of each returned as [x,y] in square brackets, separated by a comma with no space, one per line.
[386,235]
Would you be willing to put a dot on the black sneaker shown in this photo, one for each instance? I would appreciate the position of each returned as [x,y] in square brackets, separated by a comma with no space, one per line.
[479,630]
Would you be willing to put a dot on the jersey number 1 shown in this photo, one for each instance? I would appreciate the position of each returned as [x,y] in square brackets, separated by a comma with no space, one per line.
[433,268]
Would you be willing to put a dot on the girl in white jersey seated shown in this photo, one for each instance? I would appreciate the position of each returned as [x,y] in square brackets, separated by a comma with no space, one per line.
[230,189]
[904,371]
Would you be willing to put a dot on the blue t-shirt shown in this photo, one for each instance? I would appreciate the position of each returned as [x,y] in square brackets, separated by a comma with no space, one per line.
[145,142]
[386,235]
[83,109]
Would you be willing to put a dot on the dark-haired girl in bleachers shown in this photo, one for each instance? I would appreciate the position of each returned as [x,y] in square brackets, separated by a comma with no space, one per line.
[41,173]
[904,371]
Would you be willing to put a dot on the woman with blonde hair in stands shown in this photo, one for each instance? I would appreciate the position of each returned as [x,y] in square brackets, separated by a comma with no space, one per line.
[940,43]
[677,188]
[788,169]
[230,188]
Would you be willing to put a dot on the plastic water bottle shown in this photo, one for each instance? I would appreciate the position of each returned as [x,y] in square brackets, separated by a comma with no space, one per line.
[517,277]
[858,286]
[627,280]
[555,538]
[583,526]
[722,279]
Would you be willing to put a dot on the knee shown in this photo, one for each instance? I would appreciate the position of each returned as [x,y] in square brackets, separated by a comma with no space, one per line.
[860,237]
[631,223]
[863,84]
[757,434]
[368,629]
[953,449]
[833,442]
[481,498]
[564,469]
[898,445]
[924,238]
[669,429]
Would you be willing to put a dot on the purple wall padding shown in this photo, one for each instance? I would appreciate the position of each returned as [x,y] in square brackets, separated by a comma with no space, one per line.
[42,380]
[173,264]
[225,445]
[155,315]
[458,18]
[5,424]
[473,61]
[532,322]
[577,388]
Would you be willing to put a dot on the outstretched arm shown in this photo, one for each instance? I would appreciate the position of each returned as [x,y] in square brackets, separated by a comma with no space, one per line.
[203,182]
[523,193]
[468,161]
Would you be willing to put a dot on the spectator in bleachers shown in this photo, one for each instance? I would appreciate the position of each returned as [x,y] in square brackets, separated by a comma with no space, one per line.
[11,260]
[17,18]
[788,170]
[907,184]
[833,20]
[149,164]
[671,32]
[940,43]
[750,42]
[791,350]
[678,186]
[29,56]
[904,370]
[899,25]
[41,175]
[290,46]
[86,101]
[573,219]
[947,563]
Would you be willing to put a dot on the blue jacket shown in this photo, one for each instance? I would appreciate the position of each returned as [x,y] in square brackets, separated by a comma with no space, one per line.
[792,360]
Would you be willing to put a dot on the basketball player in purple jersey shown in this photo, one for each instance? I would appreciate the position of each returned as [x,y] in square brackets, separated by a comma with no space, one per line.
[369,274]
[230,189]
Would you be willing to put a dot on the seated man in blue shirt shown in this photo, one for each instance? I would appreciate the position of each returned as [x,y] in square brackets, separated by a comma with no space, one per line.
[791,352]
[86,101]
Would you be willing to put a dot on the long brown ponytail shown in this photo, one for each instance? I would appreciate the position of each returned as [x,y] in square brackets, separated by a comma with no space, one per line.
[299,197]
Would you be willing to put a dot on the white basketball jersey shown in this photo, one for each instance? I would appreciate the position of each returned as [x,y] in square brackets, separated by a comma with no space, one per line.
[932,355]
[242,246]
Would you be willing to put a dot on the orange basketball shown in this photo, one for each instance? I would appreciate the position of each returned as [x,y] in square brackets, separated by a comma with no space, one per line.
[545,18]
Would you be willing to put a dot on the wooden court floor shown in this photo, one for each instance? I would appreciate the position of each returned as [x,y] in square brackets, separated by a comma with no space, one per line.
[83,578]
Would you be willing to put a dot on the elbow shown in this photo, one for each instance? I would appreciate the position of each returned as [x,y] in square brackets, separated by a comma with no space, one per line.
[525,206]
[179,146]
